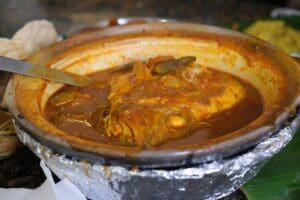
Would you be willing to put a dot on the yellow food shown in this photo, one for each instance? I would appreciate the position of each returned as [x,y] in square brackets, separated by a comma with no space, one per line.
[277,33]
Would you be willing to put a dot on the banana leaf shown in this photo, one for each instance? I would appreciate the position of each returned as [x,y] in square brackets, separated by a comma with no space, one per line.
[279,179]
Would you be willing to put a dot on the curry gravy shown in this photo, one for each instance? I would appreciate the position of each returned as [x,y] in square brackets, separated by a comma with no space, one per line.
[85,112]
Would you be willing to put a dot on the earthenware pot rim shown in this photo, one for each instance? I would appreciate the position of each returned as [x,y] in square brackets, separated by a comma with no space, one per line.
[159,157]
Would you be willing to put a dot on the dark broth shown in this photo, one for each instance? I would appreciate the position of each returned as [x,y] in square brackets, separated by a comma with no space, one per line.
[85,112]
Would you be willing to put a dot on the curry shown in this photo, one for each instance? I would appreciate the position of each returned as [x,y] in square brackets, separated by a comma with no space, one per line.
[162,101]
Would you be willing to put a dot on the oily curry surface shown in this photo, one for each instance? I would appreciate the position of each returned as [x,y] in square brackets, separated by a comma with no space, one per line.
[162,101]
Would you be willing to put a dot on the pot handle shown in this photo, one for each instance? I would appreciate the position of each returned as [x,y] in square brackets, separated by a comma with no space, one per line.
[4,79]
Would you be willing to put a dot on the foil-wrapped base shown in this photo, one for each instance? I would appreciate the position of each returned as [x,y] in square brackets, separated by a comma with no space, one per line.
[212,180]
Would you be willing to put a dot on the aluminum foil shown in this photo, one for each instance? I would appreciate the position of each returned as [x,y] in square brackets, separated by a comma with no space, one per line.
[212,180]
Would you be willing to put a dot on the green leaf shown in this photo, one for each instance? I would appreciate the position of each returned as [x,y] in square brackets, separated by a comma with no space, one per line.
[279,179]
